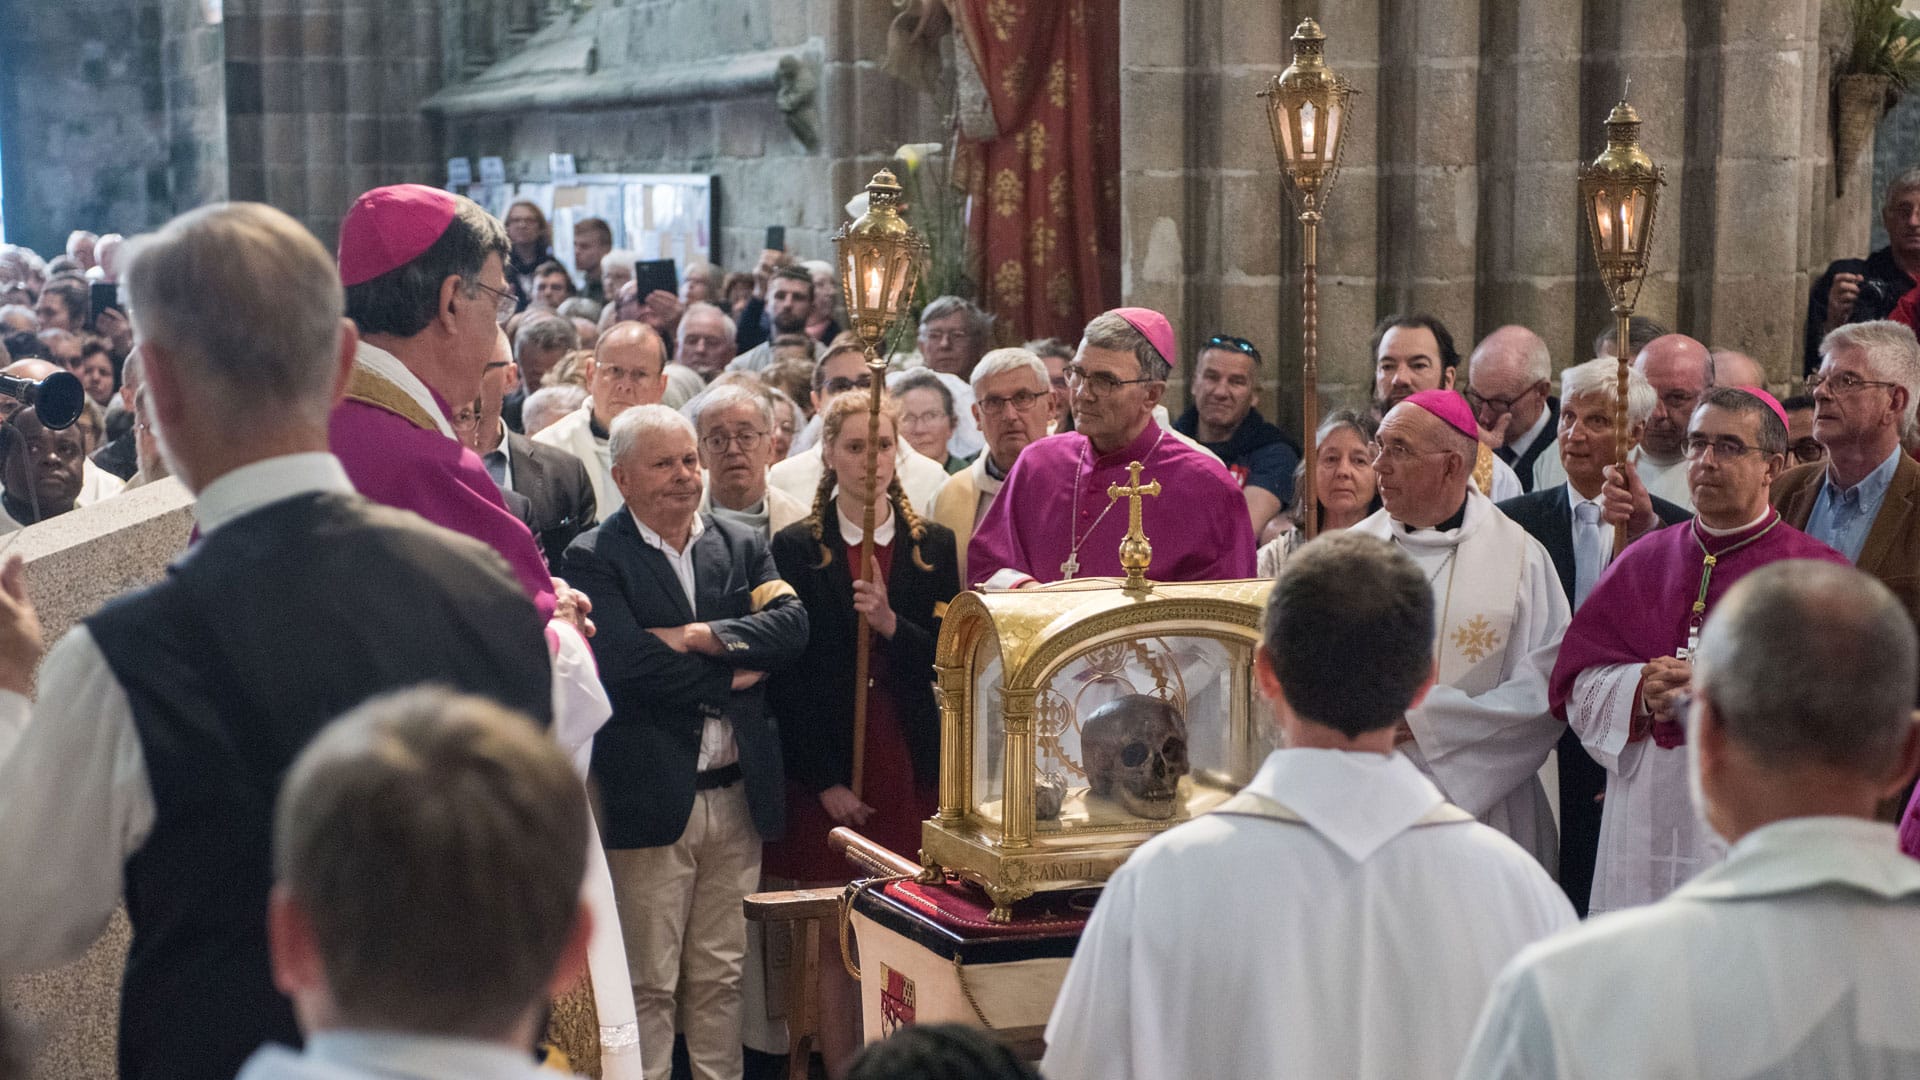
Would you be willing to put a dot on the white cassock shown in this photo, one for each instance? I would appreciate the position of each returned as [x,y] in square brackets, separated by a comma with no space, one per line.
[1342,921]
[1797,957]
[1652,838]
[1668,481]
[1486,727]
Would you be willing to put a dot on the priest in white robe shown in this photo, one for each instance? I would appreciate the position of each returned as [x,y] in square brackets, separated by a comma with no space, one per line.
[1799,956]
[1338,917]
[1486,729]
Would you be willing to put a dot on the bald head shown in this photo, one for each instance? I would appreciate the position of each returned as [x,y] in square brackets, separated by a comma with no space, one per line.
[1732,368]
[1680,370]
[1509,377]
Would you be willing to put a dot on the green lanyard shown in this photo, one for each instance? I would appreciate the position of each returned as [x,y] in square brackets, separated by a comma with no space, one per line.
[1699,615]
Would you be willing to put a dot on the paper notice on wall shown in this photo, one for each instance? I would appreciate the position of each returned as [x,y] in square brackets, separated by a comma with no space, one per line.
[567,198]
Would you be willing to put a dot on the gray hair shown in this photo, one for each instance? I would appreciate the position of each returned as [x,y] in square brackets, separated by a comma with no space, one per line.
[642,422]
[817,266]
[248,301]
[621,258]
[1600,377]
[1112,331]
[979,323]
[580,307]
[1001,361]
[544,333]
[1811,661]
[1891,354]
[548,404]
[1738,399]
[924,380]
[727,396]
[1907,180]
[701,307]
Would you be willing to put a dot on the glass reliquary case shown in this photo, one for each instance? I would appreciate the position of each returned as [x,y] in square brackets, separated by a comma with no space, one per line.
[1082,718]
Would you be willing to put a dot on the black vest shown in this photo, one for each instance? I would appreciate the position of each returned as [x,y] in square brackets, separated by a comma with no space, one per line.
[277,623]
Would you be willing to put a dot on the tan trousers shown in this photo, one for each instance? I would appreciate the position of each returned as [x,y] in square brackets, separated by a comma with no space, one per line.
[680,913]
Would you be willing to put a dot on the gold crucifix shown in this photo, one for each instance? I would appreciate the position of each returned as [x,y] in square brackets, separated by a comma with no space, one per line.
[1135,552]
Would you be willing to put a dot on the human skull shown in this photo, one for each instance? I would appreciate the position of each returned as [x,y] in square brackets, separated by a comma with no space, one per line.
[1136,752]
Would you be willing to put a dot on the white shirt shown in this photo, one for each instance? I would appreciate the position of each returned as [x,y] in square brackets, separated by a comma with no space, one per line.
[1668,481]
[1353,945]
[391,1055]
[63,845]
[574,434]
[1797,957]
[717,747]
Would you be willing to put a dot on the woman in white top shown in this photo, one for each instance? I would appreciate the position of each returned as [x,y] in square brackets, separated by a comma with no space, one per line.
[1343,483]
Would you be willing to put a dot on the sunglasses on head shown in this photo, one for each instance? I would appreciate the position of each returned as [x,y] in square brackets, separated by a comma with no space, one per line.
[1228,341]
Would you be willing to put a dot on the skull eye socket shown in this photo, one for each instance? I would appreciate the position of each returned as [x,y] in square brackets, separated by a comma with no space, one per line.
[1134,755]
[1177,749]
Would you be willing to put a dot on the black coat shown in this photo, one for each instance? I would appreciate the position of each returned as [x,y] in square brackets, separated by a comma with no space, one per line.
[1523,463]
[556,485]
[645,758]
[1547,515]
[814,699]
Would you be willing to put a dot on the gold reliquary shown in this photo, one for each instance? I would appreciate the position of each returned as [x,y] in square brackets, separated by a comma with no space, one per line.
[1082,718]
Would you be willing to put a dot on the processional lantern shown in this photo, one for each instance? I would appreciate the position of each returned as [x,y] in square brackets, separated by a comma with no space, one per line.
[1308,108]
[1619,193]
[881,257]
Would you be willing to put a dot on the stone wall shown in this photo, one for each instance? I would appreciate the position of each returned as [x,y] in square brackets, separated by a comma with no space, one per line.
[1457,192]
[670,86]
[111,113]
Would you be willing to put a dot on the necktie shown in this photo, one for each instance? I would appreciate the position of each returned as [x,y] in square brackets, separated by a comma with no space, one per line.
[1589,550]
[497,467]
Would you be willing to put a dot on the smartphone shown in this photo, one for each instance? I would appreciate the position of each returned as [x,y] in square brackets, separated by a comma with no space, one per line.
[101,295]
[776,238]
[655,274]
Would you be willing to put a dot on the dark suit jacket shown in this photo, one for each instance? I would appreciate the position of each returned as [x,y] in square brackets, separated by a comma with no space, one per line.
[1892,551]
[645,758]
[1523,463]
[814,699]
[1547,515]
[556,484]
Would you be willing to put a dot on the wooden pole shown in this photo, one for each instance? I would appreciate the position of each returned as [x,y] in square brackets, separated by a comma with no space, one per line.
[1310,365]
[863,642]
[1621,444]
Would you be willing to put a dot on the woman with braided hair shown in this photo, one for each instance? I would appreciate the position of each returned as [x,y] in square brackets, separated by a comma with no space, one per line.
[918,573]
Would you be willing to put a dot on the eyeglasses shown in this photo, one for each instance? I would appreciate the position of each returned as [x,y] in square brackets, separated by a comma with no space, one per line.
[1399,453]
[945,337]
[1019,402]
[1806,450]
[718,442]
[1724,448]
[1844,383]
[1099,383]
[504,303]
[841,384]
[1498,406]
[1237,344]
[922,419]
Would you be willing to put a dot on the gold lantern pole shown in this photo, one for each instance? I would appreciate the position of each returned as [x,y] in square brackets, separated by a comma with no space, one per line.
[880,262]
[1619,193]
[1307,110]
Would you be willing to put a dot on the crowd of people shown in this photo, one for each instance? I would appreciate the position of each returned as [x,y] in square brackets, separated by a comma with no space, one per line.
[646,524]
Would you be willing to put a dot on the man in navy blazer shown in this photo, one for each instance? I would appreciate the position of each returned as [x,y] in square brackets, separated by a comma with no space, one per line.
[1574,522]
[692,616]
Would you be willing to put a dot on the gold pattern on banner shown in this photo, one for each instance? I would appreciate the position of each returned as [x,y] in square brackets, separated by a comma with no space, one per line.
[1010,282]
[1060,292]
[1036,146]
[1003,16]
[1057,83]
[1057,196]
[1040,244]
[1013,81]
[1477,639]
[1007,189]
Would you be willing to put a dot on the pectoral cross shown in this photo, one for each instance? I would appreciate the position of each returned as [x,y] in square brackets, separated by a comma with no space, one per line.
[1135,552]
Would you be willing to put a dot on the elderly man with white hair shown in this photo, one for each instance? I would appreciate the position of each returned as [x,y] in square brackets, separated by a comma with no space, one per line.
[735,427]
[1013,404]
[1574,522]
[692,615]
[705,341]
[1510,386]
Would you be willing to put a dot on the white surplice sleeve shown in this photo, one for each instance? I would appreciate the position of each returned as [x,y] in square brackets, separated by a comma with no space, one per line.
[1479,749]
[1600,711]
[1090,1034]
[580,703]
[74,804]
[1514,1039]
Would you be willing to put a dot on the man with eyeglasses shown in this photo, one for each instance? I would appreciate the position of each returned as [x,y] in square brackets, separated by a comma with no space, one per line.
[1626,664]
[1054,518]
[1013,402]
[1802,447]
[844,368]
[1225,418]
[1484,731]
[1510,386]
[629,369]
[735,426]
[551,486]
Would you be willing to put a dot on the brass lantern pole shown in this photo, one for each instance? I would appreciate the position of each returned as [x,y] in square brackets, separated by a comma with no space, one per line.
[1619,193]
[1307,111]
[880,263]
